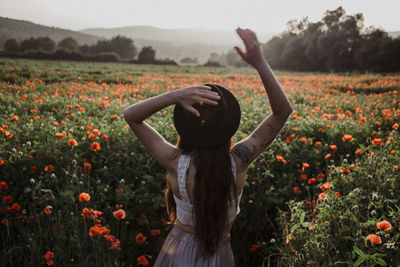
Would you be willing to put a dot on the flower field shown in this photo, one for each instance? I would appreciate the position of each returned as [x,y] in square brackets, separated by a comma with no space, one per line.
[78,189]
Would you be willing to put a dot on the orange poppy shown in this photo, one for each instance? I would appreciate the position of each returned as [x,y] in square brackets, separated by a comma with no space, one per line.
[322,195]
[348,137]
[395,126]
[377,141]
[1,162]
[374,239]
[84,197]
[14,118]
[119,214]
[318,143]
[98,229]
[358,151]
[60,135]
[105,137]
[305,166]
[328,156]
[296,190]
[280,159]
[3,185]
[87,166]
[47,210]
[384,226]
[142,260]
[49,258]
[311,180]
[333,147]
[72,142]
[7,199]
[95,146]
[140,238]
[303,177]
[49,168]
[325,186]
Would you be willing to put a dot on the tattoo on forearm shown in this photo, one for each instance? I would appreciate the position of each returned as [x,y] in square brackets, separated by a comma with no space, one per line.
[244,153]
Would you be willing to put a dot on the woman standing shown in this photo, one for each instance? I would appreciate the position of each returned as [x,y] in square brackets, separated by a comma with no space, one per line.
[206,172]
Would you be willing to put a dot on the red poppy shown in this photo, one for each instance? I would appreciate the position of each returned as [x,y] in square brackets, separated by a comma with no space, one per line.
[84,197]
[305,166]
[377,141]
[395,126]
[374,239]
[119,214]
[49,168]
[311,180]
[49,258]
[48,209]
[384,226]
[333,147]
[325,186]
[72,142]
[296,190]
[280,159]
[95,146]
[348,137]
[7,199]
[14,118]
[140,238]
[142,260]
[60,135]
[3,185]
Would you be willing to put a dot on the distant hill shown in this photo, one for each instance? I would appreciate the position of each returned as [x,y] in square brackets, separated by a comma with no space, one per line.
[394,34]
[169,43]
[177,43]
[20,29]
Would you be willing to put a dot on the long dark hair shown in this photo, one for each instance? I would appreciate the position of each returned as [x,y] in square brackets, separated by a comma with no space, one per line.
[213,191]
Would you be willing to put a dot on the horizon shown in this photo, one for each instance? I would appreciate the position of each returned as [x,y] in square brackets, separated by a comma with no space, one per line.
[187,14]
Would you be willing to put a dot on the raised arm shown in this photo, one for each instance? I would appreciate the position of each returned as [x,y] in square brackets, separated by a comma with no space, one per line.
[158,147]
[249,148]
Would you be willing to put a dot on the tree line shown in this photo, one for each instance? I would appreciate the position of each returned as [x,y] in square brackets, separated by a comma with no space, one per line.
[337,43]
[116,49]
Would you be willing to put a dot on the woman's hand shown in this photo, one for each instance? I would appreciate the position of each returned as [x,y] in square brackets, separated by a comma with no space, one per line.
[252,55]
[200,94]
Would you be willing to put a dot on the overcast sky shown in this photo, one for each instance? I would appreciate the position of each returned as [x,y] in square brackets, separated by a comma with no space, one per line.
[259,15]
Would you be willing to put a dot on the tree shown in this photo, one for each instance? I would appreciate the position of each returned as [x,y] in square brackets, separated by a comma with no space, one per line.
[69,43]
[40,43]
[11,45]
[147,55]
[123,46]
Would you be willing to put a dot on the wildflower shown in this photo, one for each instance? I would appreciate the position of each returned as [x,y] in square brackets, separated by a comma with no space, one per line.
[84,197]
[325,186]
[254,247]
[60,135]
[49,168]
[7,199]
[296,190]
[15,206]
[272,240]
[95,146]
[333,147]
[347,137]
[47,210]
[395,126]
[358,151]
[280,159]
[98,229]
[87,166]
[155,232]
[3,185]
[290,237]
[14,118]
[140,238]
[119,214]
[1,162]
[384,226]
[96,132]
[328,156]
[105,137]
[311,180]
[374,239]
[303,177]
[318,143]
[142,260]
[377,141]
[6,222]
[305,166]
[49,258]
[322,195]
[72,142]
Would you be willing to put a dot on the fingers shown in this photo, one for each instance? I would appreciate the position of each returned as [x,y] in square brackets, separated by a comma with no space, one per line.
[239,51]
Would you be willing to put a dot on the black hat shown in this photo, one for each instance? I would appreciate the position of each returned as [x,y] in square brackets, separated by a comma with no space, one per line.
[216,124]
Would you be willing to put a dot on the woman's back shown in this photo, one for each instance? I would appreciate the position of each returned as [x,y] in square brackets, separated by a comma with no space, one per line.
[185,189]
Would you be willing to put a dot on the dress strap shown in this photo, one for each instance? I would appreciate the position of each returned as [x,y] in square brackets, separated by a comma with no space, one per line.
[183,165]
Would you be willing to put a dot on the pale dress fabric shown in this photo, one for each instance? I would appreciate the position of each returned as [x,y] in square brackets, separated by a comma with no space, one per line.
[181,248]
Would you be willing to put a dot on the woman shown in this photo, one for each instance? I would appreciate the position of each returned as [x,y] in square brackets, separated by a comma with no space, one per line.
[205,172]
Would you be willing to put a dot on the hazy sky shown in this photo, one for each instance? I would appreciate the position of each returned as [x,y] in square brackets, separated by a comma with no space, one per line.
[259,15]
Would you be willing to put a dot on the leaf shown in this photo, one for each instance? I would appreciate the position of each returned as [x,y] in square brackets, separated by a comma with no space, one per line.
[359,261]
[302,217]
[380,261]
[358,251]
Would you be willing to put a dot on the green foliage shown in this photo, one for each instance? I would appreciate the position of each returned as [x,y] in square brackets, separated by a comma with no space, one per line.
[147,55]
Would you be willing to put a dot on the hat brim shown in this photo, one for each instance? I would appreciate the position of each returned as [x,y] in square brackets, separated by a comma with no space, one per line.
[225,126]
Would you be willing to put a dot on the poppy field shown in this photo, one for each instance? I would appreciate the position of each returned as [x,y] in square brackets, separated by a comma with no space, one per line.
[78,189]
